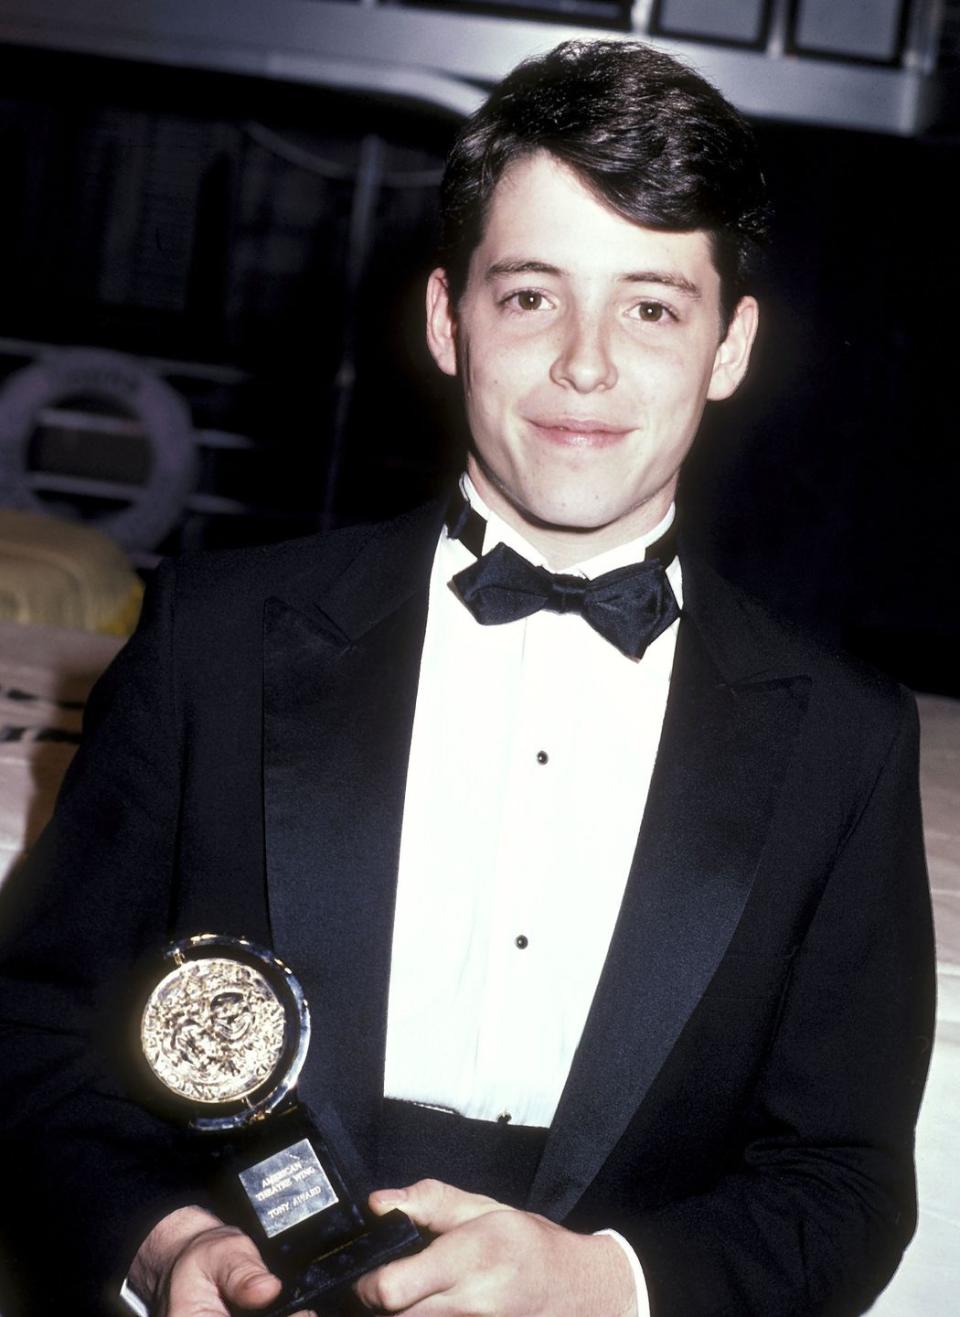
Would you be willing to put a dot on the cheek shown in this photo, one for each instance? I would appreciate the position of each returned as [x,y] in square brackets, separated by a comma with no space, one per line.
[495,380]
[676,389]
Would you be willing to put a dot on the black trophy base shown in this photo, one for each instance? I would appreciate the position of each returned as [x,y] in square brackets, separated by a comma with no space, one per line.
[324,1284]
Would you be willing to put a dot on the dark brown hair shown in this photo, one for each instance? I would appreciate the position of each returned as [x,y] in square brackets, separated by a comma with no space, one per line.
[652,139]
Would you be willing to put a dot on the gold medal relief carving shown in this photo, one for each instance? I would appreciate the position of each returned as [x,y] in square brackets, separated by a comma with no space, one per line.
[213,1030]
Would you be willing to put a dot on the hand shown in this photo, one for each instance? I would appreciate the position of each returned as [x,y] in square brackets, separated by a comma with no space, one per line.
[192,1265]
[487,1258]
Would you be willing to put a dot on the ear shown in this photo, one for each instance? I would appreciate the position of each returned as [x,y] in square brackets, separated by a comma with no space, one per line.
[733,355]
[441,323]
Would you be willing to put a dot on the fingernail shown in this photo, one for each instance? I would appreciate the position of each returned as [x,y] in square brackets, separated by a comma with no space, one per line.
[386,1196]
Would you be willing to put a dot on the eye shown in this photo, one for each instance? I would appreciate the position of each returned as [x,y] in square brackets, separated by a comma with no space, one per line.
[651,313]
[527,299]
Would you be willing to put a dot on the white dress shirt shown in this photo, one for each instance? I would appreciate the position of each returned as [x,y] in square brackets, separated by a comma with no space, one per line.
[532,750]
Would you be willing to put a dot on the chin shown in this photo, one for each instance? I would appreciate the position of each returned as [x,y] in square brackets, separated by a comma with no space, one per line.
[564,514]
[564,518]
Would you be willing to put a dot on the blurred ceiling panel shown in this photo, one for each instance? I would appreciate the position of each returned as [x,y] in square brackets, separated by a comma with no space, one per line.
[881,65]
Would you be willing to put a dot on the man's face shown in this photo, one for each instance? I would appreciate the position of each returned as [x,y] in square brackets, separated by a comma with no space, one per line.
[587,347]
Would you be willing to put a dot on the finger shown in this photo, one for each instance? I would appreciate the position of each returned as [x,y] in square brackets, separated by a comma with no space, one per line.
[439,1271]
[434,1305]
[240,1275]
[397,1286]
[219,1267]
[436,1206]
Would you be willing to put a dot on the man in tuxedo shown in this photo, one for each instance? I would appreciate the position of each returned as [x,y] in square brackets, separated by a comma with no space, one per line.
[606,889]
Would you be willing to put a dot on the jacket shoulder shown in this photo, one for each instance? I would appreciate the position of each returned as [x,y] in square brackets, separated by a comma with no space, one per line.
[748,638]
[223,583]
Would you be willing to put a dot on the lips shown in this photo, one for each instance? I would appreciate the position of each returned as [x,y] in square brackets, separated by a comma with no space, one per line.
[578,431]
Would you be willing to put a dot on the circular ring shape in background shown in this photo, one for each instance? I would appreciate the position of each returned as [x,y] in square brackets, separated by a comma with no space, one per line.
[125,384]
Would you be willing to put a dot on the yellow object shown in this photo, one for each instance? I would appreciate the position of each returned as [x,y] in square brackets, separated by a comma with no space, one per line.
[62,573]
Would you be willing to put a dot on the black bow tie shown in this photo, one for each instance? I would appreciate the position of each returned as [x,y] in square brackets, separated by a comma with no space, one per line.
[629,606]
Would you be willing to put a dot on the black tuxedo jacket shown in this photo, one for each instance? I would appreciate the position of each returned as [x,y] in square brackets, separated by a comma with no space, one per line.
[742,1101]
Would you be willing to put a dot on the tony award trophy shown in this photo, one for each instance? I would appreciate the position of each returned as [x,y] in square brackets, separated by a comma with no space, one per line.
[225,1031]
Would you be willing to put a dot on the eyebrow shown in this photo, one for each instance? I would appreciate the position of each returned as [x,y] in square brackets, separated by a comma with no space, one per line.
[508,266]
[665,278]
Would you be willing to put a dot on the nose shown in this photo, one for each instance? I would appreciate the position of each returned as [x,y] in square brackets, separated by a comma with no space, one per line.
[584,361]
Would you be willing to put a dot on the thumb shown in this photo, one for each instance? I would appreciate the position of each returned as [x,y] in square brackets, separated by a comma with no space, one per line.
[436,1206]
[238,1272]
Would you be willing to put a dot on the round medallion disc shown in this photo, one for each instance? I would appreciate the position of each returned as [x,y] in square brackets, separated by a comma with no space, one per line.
[214,1030]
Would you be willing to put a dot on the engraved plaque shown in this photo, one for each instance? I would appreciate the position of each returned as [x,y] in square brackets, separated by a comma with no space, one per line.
[288,1187]
[224,1033]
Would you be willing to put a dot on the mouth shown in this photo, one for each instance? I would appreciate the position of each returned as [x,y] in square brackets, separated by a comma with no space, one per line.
[578,431]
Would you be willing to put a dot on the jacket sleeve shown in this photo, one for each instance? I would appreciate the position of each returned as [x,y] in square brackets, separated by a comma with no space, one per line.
[815,1217]
[92,1169]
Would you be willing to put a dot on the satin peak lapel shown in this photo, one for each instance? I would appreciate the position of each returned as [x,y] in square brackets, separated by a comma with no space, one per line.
[340,683]
[726,741]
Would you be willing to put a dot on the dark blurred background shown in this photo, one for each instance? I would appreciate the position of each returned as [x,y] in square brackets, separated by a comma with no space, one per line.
[239,197]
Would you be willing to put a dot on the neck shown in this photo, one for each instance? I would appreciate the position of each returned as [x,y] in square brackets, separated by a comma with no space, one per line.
[562,546]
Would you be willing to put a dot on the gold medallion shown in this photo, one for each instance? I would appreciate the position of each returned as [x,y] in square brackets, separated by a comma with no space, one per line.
[213,1030]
